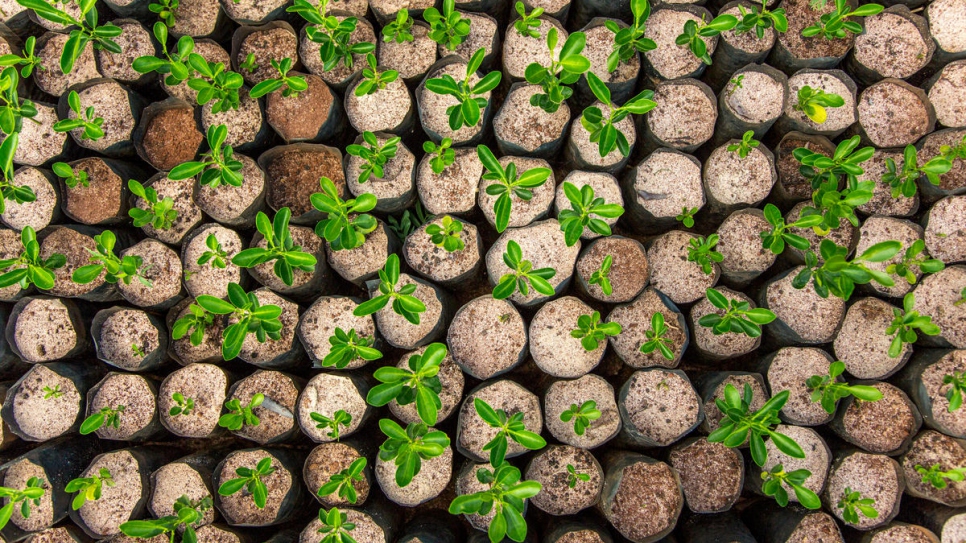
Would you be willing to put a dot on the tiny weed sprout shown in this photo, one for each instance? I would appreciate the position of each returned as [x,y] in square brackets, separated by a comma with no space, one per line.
[655,338]
[214,83]
[408,448]
[936,477]
[907,320]
[903,181]
[8,190]
[89,488]
[740,425]
[701,251]
[408,221]
[249,64]
[837,24]
[828,390]
[290,86]
[339,418]
[779,236]
[52,393]
[838,276]
[601,278]
[375,156]
[777,477]
[522,276]
[629,41]
[160,213]
[84,119]
[962,298]
[592,332]
[372,79]
[582,415]
[279,247]
[187,515]
[583,204]
[602,130]
[448,28]
[761,20]
[115,269]
[400,29]
[12,109]
[138,351]
[573,476]
[687,216]
[71,178]
[442,155]
[335,528]
[562,71]
[347,347]
[332,35]
[915,257]
[403,302]
[467,112]
[812,102]
[218,166]
[852,504]
[32,492]
[744,147]
[735,83]
[508,183]
[957,387]
[239,415]
[174,64]
[242,307]
[527,24]
[29,268]
[447,234]
[342,484]
[182,405]
[26,58]
[738,318]
[110,416]
[694,34]
[215,254]
[251,480]
[511,427]
[85,29]
[504,497]
[346,223]
[419,384]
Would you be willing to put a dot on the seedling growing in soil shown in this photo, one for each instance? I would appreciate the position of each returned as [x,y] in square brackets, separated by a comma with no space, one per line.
[447,235]
[217,166]
[291,86]
[332,35]
[602,130]
[904,181]
[507,428]
[573,476]
[339,418]
[504,497]
[686,217]
[160,213]
[420,384]
[747,143]
[29,268]
[773,486]
[399,30]
[214,82]
[562,71]
[12,109]
[249,64]
[779,235]
[174,64]
[116,269]
[31,493]
[449,28]
[372,79]
[937,477]
[111,416]
[839,276]
[907,320]
[600,276]
[341,484]
[89,488]
[408,221]
[334,528]
[27,58]
[409,447]
[761,20]
[403,302]
[251,480]
[187,514]
[522,275]
[165,10]
[740,425]
[239,415]
[507,183]
[183,406]
[527,24]
[346,223]
[442,154]
[656,339]
[694,34]
[812,102]
[138,351]
[701,250]
[87,30]
[592,332]
[957,387]
[249,314]
[582,415]
[85,119]
[630,40]
[828,390]
[584,204]
[70,177]
[279,247]
[347,347]
[836,24]
[739,317]
[215,254]
[53,393]
[467,112]
[852,503]
[962,298]
[375,156]
[8,190]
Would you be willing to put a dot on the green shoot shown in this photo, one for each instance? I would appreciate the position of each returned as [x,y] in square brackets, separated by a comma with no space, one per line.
[467,112]
[915,257]
[442,155]
[279,247]
[187,515]
[583,204]
[603,130]
[907,320]
[527,24]
[290,86]
[592,332]
[741,425]
[31,493]
[217,165]
[339,418]
[342,484]
[347,347]
[828,390]
[52,393]
[773,486]
[937,477]
[27,58]
[447,234]
[504,497]
[375,156]
[836,24]
[522,276]
[779,236]
[335,528]
[852,503]
[400,29]
[244,308]
[346,223]
[507,428]
[629,41]
[183,406]
[29,268]
[761,20]
[160,213]
[111,416]
[904,181]
[838,276]
[582,415]
[701,250]
[116,269]
[239,415]
[448,28]
[250,479]
[957,386]
[332,35]
[85,119]
[403,301]
[747,143]
[85,29]
[573,476]
[409,447]
[508,183]
[812,102]
[70,177]
[655,338]
[739,317]
[600,276]
[562,71]
[694,34]
[687,216]
[89,488]
[420,384]
[372,79]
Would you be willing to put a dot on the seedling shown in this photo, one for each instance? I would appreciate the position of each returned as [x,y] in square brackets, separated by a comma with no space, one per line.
[507,428]
[937,477]
[629,41]
[701,250]
[522,276]
[239,415]
[409,447]
[592,332]
[655,338]
[347,347]
[215,254]
[836,24]
[183,406]
[957,386]
[839,276]
[29,268]
[694,34]
[403,302]
[217,166]
[739,317]
[761,20]
[584,204]
[602,130]
[447,234]
[187,515]
[32,492]
[442,155]
[250,316]
[215,83]
[9,191]
[52,393]
[375,156]
[408,221]
[332,35]
[907,320]
[251,480]
[111,416]
[735,83]
[833,204]
[777,477]
[419,383]
[812,102]
[471,102]
[339,418]
[343,483]
[852,503]
[904,181]
[27,59]
[962,298]
[249,64]
[952,153]
[12,109]
[85,119]
[335,528]
[71,178]
[372,79]
[290,86]
[346,223]
[160,213]
[527,24]
[573,476]
[740,425]
[448,28]
[89,488]
[828,390]
[747,143]
[600,276]
[780,234]
[564,69]
[87,30]
[116,269]
[508,183]
[582,415]
[174,64]
[137,350]
[399,30]
[504,498]
[687,216]
[279,247]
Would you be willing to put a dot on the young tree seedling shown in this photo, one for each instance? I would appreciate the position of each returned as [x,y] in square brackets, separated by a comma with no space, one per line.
[449,28]
[251,480]
[836,25]
[508,184]
[13,110]
[29,268]
[828,390]
[962,298]
[85,119]
[372,79]
[31,493]
[160,213]
[471,103]
[937,477]
[744,147]
[564,69]
[761,20]
[339,418]
[508,427]
[290,86]
[8,191]
[214,83]
[346,223]
[601,277]
[249,64]
[111,416]
[591,332]
[332,35]
[420,384]
[165,10]
[335,527]
[71,178]
[904,180]
[687,216]
[813,103]
[905,323]
[583,204]
[400,29]
[347,347]
[780,235]
[957,387]
[404,303]
[52,393]
[187,515]
[239,415]
[522,276]
[375,156]
[27,59]
[84,29]
[602,130]
[777,477]
[655,338]
[115,269]
[828,200]
[408,221]
[447,235]
[739,316]
[442,155]
[408,448]
[173,65]
[694,34]
[740,425]
[89,488]
[215,254]
[137,350]
[182,405]
[279,247]
[915,257]
[630,41]
[217,166]
[838,276]
[342,484]
[573,476]
[852,503]
[527,24]
[701,251]
[582,415]
[504,497]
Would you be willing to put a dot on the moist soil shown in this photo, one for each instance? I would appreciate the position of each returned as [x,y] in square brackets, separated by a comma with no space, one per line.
[293,176]
[563,394]
[629,272]
[800,15]
[653,487]
[320,320]
[884,426]
[301,117]
[892,115]
[100,200]
[711,474]
[549,467]
[325,394]
[171,137]
[635,320]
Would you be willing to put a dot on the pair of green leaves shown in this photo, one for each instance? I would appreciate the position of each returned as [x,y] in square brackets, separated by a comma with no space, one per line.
[507,428]
[279,247]
[420,384]
[339,418]
[85,118]
[372,79]
[239,415]
[403,301]
[250,479]
[89,488]
[289,85]
[905,323]
[740,425]
[508,184]
[447,234]
[583,205]
[601,276]
[346,223]
[471,102]
[828,390]
[29,268]
[32,492]
[812,102]
[592,332]
[115,269]
[522,275]
[160,213]
[694,34]
[449,28]
[375,156]
[582,415]
[777,477]
[739,317]
[408,448]
[655,337]
[602,129]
